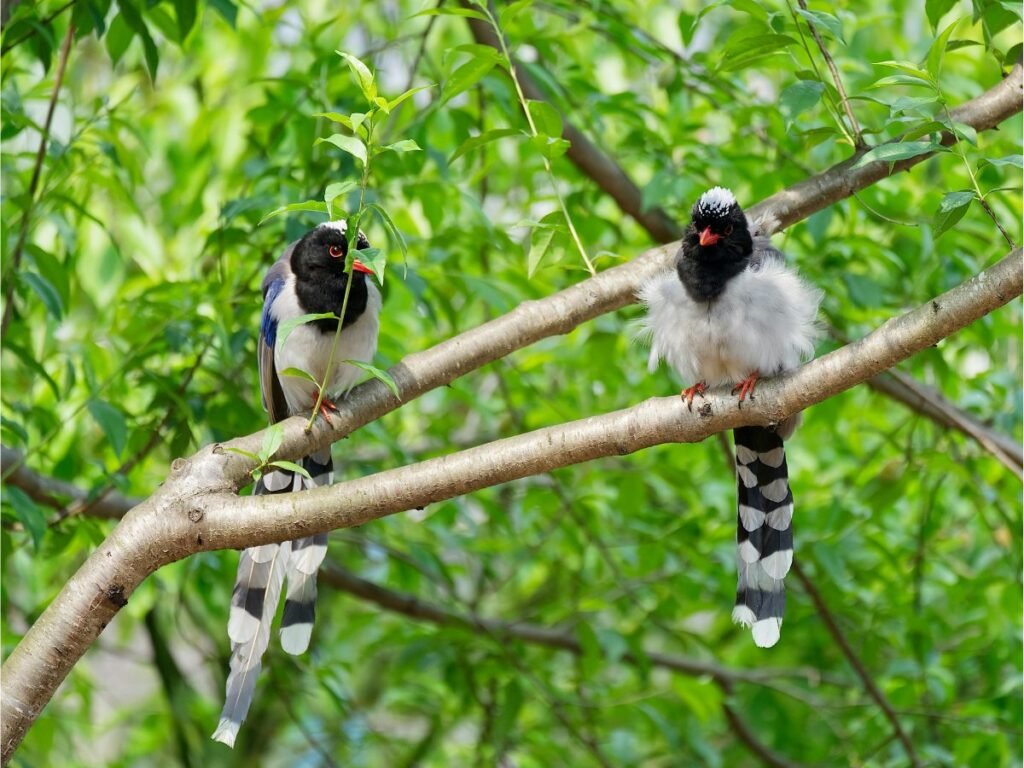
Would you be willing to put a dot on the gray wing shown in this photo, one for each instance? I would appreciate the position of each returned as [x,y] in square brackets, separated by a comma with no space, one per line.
[270,385]
[761,232]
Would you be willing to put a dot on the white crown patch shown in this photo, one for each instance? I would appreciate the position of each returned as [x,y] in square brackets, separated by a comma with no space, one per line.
[716,201]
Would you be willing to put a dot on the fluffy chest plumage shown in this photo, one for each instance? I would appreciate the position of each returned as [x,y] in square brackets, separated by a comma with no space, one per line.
[763,320]
[308,348]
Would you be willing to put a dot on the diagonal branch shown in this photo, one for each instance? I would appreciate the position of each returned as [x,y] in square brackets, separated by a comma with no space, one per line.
[858,139]
[195,510]
[851,656]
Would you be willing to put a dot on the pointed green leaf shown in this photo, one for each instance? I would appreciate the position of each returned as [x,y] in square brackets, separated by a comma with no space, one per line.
[827,20]
[399,99]
[350,144]
[899,151]
[377,373]
[46,292]
[28,512]
[375,260]
[291,466]
[953,200]
[466,76]
[390,225]
[540,241]
[1017,160]
[933,62]
[800,96]
[248,454]
[298,373]
[336,190]
[363,75]
[475,142]
[943,221]
[406,145]
[310,205]
[272,439]
[285,327]
[112,422]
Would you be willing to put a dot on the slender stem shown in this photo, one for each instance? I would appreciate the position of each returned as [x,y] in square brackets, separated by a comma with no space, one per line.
[858,139]
[37,170]
[533,132]
[352,236]
[958,146]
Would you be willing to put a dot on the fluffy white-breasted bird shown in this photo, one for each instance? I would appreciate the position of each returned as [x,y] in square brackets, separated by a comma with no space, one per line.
[732,311]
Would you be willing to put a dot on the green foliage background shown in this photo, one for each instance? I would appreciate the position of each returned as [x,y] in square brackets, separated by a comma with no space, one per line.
[181,125]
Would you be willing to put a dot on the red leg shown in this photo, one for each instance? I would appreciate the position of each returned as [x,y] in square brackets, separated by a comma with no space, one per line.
[326,408]
[688,394]
[746,387]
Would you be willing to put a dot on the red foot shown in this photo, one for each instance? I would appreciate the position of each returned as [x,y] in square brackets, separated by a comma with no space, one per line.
[697,389]
[326,408]
[746,387]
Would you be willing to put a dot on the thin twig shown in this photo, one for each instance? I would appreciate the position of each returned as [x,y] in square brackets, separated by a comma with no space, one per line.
[19,247]
[858,139]
[851,656]
[34,29]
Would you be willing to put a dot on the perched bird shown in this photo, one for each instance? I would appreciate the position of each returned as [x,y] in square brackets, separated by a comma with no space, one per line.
[731,312]
[309,278]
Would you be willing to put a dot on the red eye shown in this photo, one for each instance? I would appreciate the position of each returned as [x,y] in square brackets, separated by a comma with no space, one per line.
[336,251]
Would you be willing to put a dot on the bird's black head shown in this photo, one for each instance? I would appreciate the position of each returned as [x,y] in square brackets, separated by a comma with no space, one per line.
[318,262]
[321,253]
[716,247]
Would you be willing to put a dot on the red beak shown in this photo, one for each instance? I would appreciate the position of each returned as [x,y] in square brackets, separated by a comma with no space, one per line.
[358,266]
[707,237]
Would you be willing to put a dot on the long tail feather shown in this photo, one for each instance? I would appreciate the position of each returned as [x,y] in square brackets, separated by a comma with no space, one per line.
[307,555]
[254,602]
[764,532]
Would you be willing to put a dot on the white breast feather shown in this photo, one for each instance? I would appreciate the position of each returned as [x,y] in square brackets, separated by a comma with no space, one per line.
[763,321]
[308,349]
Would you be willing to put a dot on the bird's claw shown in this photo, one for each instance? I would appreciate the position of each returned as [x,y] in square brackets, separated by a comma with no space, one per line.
[746,387]
[326,408]
[688,394]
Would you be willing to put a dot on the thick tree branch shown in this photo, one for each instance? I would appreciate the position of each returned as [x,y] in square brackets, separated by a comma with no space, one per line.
[195,511]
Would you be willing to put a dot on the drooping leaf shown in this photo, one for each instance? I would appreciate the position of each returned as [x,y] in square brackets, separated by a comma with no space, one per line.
[377,373]
[899,151]
[111,420]
[350,144]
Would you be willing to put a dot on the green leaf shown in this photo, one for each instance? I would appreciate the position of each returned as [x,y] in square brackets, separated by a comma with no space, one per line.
[890,153]
[133,18]
[363,75]
[285,327]
[1016,160]
[933,62]
[272,439]
[953,200]
[350,144]
[550,146]
[33,365]
[944,220]
[826,20]
[740,52]
[406,145]
[545,118]
[185,10]
[907,80]
[298,373]
[800,96]
[399,99]
[375,260]
[28,512]
[475,142]
[392,229]
[112,422]
[540,241]
[227,9]
[309,205]
[248,454]
[936,9]
[336,190]
[377,373]
[466,76]
[291,466]
[46,292]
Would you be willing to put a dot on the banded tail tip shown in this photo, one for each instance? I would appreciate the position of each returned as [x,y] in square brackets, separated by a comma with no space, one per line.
[766,632]
[295,639]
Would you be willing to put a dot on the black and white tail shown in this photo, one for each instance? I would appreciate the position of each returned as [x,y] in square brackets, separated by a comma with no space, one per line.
[764,532]
[262,571]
